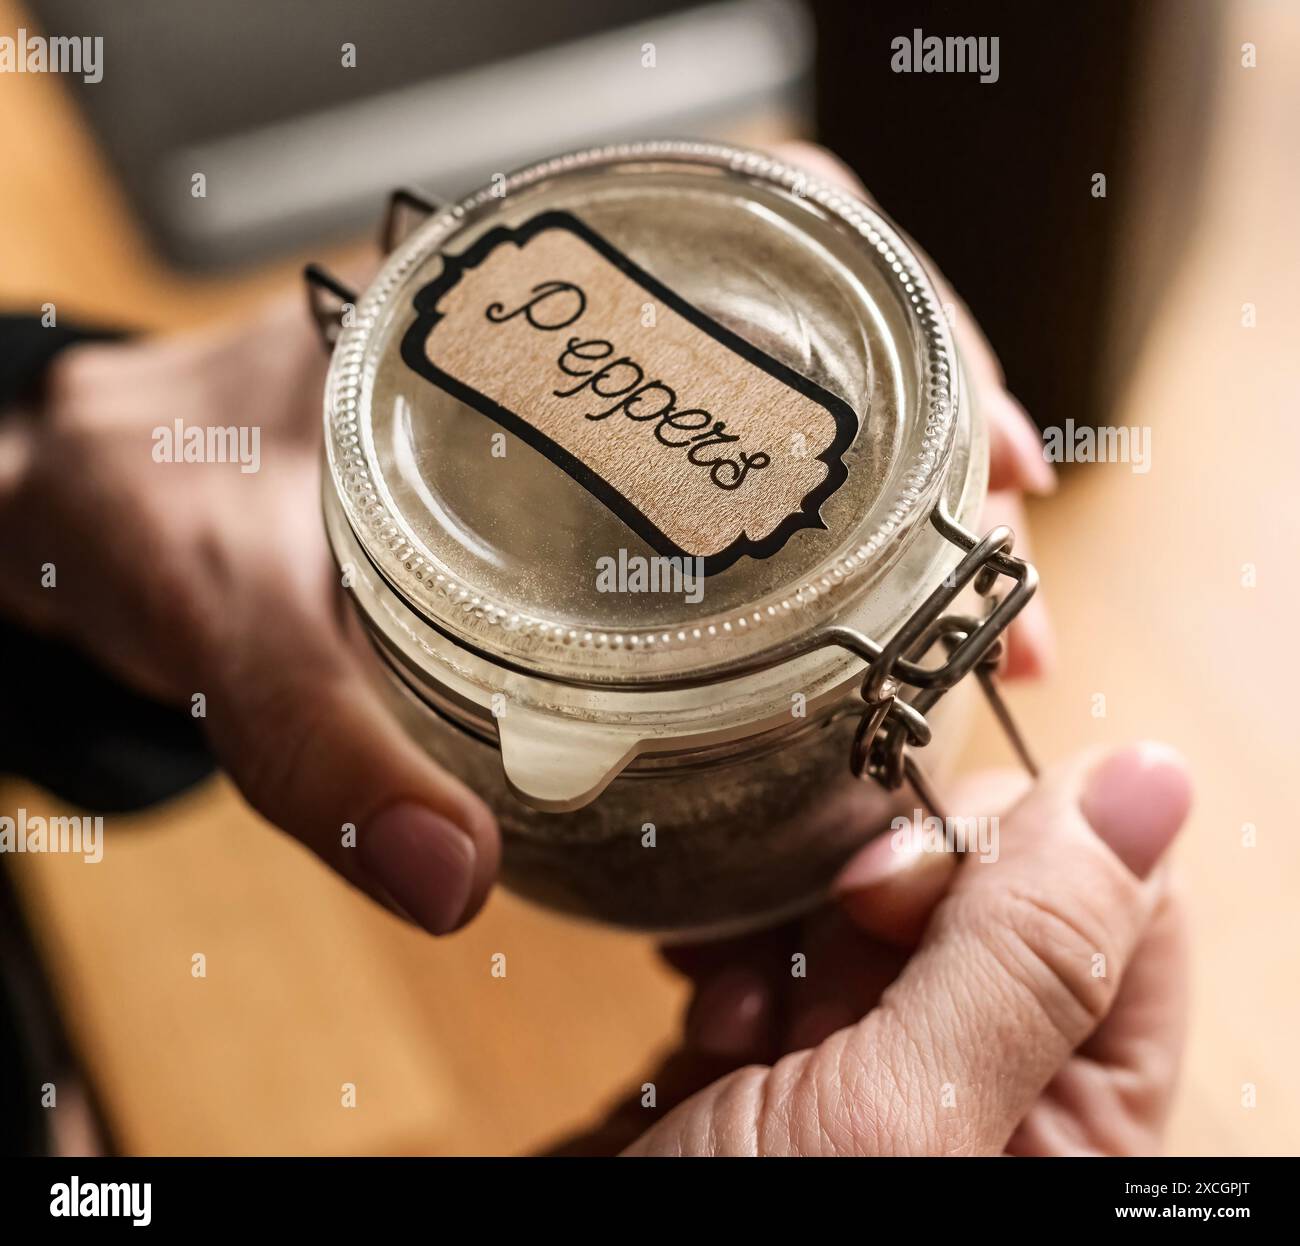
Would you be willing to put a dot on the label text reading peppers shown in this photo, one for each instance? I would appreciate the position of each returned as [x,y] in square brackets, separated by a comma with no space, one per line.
[704,445]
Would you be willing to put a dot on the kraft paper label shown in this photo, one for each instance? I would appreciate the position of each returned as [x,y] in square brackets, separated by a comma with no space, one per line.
[700,442]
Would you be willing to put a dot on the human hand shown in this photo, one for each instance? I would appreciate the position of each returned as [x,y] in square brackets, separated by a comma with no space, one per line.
[1031,1005]
[199,578]
[187,579]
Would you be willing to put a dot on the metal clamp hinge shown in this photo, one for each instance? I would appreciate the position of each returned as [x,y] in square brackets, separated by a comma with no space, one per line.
[328,298]
[893,728]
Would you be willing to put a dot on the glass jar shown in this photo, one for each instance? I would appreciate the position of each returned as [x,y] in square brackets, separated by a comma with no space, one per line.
[680,609]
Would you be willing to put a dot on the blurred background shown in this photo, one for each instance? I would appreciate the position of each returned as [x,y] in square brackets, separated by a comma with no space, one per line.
[1168,303]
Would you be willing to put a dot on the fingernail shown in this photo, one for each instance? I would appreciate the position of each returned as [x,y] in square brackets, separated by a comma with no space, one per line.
[891,887]
[1136,799]
[729,1017]
[885,859]
[1036,472]
[423,861]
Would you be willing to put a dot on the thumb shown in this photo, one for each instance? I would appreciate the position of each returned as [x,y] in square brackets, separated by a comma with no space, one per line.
[1023,959]
[294,720]
[1019,964]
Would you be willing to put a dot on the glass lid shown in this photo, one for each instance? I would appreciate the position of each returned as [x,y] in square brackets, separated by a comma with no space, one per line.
[630,415]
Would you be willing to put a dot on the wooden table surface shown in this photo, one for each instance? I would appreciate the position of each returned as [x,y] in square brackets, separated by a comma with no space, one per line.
[308,987]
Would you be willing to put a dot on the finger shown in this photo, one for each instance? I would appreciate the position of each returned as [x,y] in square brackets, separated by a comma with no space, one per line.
[845,971]
[886,896]
[1018,967]
[1114,1096]
[1016,458]
[1030,640]
[1022,961]
[293,719]
[734,1012]
[892,886]
[733,1016]
[1149,1018]
[890,889]
[746,998]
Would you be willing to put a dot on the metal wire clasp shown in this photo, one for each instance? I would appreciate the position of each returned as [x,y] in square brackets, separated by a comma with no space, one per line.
[327,297]
[893,727]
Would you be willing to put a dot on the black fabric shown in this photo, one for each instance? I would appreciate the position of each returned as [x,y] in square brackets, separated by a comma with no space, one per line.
[68,726]
[22,1129]
[79,733]
[26,348]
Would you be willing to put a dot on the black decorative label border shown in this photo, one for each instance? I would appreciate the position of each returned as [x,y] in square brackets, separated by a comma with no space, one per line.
[808,515]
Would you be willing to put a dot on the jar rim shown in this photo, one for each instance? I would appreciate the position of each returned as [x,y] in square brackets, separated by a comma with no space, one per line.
[554,648]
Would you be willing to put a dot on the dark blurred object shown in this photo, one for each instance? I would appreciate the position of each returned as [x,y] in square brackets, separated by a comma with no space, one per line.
[87,738]
[36,1063]
[295,145]
[994,179]
[80,734]
[22,1126]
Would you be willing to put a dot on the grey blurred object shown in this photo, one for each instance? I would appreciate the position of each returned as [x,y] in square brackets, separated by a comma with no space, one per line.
[295,148]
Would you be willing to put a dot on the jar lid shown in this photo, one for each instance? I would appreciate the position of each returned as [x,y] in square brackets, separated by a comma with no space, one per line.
[631,416]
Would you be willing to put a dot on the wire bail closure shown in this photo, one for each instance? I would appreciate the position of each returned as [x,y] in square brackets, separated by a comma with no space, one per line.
[328,297]
[893,727]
